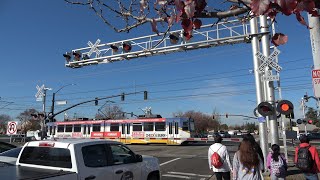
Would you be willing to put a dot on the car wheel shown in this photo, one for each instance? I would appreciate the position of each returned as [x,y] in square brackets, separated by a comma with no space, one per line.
[153,176]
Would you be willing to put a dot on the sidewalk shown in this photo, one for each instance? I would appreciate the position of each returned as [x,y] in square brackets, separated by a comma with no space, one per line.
[293,174]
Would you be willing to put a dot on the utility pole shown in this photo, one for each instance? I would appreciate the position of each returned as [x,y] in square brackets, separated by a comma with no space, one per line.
[44,112]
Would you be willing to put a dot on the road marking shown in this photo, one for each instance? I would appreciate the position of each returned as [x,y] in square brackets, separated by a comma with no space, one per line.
[189,174]
[169,161]
[176,176]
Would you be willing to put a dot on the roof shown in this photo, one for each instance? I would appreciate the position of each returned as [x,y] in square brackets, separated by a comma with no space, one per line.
[64,143]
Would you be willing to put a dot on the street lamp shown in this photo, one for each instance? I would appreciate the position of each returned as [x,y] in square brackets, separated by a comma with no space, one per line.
[53,98]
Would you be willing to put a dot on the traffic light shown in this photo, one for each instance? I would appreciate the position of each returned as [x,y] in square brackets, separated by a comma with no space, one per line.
[67,55]
[305,97]
[285,107]
[126,46]
[227,115]
[265,109]
[213,117]
[96,102]
[114,48]
[77,55]
[304,121]
[310,121]
[299,121]
[145,95]
[122,97]
[174,38]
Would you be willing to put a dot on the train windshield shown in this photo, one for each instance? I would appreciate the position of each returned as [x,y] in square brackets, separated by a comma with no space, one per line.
[188,125]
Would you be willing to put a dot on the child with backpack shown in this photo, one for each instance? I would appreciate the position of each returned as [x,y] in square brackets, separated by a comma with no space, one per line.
[277,163]
[307,159]
[219,160]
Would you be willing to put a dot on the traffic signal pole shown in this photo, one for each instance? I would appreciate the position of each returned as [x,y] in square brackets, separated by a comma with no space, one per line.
[282,117]
[259,86]
[268,85]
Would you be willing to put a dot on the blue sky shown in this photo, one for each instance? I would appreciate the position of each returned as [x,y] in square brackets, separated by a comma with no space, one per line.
[35,34]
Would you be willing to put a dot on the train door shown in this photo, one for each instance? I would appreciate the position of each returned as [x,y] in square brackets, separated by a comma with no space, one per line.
[86,130]
[125,133]
[173,131]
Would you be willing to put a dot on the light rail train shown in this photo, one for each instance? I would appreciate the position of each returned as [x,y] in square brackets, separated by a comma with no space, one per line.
[129,131]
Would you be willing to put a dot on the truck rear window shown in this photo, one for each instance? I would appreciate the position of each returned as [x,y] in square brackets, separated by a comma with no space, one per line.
[46,156]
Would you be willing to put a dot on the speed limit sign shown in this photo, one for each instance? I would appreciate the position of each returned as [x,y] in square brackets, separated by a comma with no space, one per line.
[12,128]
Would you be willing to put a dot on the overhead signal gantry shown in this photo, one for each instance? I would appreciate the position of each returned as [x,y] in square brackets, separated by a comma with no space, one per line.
[211,35]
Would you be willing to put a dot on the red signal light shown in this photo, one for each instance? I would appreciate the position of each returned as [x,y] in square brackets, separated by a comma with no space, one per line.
[265,109]
[285,107]
[310,121]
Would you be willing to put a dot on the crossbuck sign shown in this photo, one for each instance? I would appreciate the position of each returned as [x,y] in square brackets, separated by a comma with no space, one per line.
[268,61]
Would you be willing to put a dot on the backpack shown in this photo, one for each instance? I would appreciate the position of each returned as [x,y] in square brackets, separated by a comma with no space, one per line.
[216,160]
[278,168]
[304,161]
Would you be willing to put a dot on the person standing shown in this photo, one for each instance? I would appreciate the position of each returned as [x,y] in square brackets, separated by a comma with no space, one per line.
[256,146]
[277,163]
[247,164]
[219,160]
[307,159]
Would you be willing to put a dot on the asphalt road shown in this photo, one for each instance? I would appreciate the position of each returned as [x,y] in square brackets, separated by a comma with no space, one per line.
[183,162]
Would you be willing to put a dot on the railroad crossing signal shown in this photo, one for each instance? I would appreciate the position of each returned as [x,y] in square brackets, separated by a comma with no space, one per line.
[39,95]
[268,61]
[265,109]
[12,128]
[94,48]
[304,121]
[285,107]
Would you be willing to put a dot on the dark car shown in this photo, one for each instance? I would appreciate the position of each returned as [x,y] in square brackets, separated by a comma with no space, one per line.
[313,136]
[6,146]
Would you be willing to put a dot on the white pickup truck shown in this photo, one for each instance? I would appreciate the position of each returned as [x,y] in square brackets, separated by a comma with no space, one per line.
[83,159]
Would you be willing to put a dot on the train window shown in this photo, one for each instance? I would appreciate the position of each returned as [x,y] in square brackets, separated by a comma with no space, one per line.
[68,128]
[60,128]
[160,126]
[96,127]
[128,128]
[148,126]
[185,126]
[170,128]
[176,126]
[114,127]
[123,128]
[77,128]
[136,127]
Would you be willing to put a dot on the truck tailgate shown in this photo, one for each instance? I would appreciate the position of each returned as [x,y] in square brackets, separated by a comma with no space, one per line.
[29,173]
